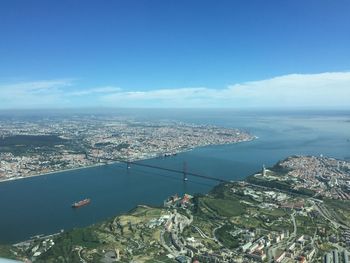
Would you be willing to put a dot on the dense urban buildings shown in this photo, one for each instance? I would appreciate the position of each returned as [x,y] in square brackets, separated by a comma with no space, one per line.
[36,146]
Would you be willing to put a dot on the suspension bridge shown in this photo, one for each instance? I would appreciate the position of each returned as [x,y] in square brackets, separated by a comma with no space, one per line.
[184,172]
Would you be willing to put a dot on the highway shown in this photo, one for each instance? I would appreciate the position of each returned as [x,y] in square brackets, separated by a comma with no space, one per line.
[325,213]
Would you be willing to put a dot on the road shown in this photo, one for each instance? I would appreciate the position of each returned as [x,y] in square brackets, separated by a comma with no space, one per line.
[325,213]
[294,224]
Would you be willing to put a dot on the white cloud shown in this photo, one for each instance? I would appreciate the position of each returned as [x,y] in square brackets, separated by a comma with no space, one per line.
[294,90]
[297,90]
[55,93]
[323,90]
[100,90]
[33,94]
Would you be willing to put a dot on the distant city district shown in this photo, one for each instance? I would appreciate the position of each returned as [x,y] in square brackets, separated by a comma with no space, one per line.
[326,177]
[37,146]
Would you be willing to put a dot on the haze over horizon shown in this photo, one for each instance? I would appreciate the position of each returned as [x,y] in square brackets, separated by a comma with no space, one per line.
[183,54]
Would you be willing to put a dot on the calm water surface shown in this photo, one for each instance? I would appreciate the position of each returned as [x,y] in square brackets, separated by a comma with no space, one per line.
[41,205]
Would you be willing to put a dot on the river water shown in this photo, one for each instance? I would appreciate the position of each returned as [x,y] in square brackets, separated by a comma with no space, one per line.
[41,205]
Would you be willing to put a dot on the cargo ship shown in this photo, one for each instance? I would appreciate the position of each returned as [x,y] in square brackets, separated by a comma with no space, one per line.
[81,203]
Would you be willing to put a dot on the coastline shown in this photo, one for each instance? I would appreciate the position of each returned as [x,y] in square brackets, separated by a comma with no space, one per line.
[55,172]
[113,162]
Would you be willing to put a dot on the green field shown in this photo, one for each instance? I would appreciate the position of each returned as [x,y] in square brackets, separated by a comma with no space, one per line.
[225,207]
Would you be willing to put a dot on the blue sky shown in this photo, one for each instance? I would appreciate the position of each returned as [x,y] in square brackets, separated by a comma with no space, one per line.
[182,53]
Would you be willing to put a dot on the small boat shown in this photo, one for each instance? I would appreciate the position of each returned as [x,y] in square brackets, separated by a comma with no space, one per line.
[81,203]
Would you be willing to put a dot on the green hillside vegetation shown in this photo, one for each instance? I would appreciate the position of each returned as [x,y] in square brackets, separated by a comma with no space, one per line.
[281,185]
[340,209]
[22,144]
[64,250]
[6,252]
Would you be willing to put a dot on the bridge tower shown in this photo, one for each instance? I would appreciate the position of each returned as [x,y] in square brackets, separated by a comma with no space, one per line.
[185,171]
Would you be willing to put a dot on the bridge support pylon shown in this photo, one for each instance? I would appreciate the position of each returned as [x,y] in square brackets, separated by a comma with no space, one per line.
[185,171]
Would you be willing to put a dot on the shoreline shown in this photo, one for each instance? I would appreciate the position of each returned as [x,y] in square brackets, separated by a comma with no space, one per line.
[55,172]
[113,162]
